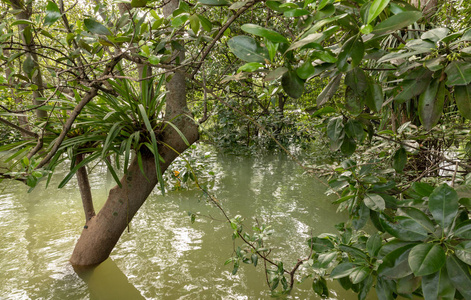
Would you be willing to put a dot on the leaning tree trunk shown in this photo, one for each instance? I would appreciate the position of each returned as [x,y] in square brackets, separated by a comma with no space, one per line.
[102,232]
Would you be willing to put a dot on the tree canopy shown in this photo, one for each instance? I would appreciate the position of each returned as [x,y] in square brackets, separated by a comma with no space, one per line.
[385,83]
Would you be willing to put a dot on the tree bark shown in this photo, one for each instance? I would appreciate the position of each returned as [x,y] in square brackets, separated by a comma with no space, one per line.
[103,231]
[85,190]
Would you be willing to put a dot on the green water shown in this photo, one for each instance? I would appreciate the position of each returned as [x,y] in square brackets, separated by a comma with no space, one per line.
[164,256]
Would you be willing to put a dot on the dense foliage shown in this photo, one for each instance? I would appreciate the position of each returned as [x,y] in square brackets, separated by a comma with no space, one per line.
[385,84]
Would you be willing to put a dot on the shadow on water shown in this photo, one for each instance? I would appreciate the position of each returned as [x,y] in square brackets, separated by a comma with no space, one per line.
[107,282]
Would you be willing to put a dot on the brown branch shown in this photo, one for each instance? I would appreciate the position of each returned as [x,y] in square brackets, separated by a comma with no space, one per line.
[84,187]
[25,131]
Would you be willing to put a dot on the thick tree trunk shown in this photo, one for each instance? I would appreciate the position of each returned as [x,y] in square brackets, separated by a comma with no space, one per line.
[103,231]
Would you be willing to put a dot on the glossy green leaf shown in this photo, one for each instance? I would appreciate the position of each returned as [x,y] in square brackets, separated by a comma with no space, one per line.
[385,288]
[374,202]
[205,23]
[319,285]
[463,230]
[264,32]
[426,259]
[342,270]
[354,129]
[397,22]
[395,264]
[435,34]
[463,252]
[375,9]
[419,216]
[353,49]
[306,70]
[28,65]
[399,160]
[250,67]
[405,228]
[438,286]
[320,244]
[53,13]
[422,188]
[292,84]
[348,146]
[276,6]
[356,79]
[374,97]
[96,27]
[314,38]
[329,91]
[247,49]
[138,3]
[335,129]
[194,23]
[431,103]
[458,73]
[359,274]
[296,12]
[275,74]
[214,2]
[443,204]
[459,275]
[463,100]
[373,244]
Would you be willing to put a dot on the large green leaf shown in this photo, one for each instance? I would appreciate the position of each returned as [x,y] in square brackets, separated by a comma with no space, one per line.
[397,22]
[52,13]
[438,286]
[375,9]
[435,34]
[320,244]
[353,49]
[419,216]
[356,79]
[426,259]
[414,86]
[264,32]
[374,97]
[463,100]
[354,129]
[374,202]
[458,73]
[292,84]
[443,204]
[373,244]
[247,49]
[463,252]
[359,274]
[342,270]
[399,159]
[96,27]
[431,103]
[463,230]
[459,275]
[335,130]
[329,91]
[395,264]
[405,228]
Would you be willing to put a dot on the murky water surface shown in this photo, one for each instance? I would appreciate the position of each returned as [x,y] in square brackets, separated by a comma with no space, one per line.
[164,256]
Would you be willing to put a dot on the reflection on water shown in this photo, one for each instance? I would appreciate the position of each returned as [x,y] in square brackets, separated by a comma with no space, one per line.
[163,256]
